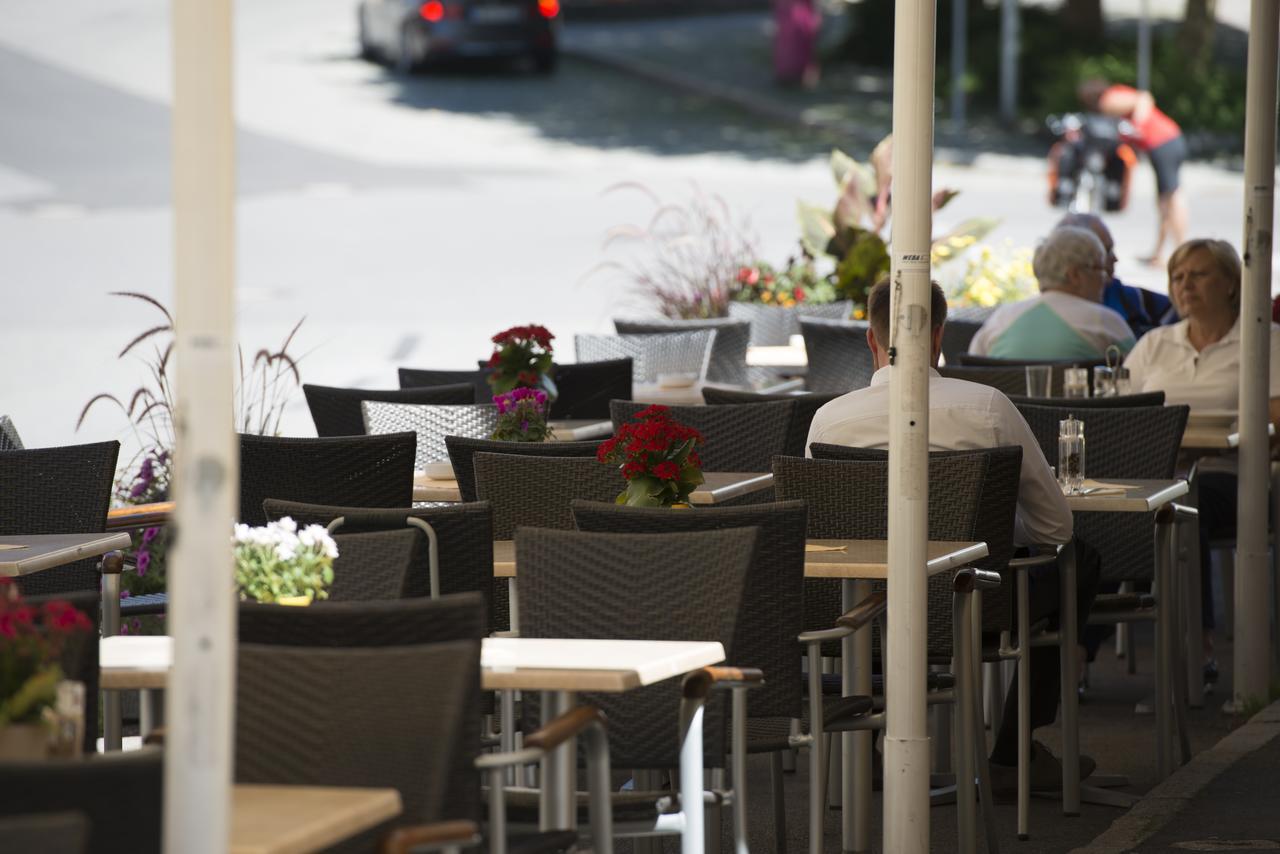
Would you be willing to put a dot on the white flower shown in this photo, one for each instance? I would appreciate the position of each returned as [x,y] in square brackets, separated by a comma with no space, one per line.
[287,524]
[241,533]
[286,550]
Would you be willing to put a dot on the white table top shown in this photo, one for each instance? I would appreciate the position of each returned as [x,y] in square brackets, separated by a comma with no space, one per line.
[718,487]
[46,551]
[868,560]
[778,356]
[1140,496]
[579,430]
[530,664]
[302,819]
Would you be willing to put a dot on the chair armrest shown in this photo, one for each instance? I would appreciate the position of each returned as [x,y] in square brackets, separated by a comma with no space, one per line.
[1033,560]
[970,579]
[865,611]
[438,834]
[1183,512]
[139,516]
[112,563]
[699,683]
[554,733]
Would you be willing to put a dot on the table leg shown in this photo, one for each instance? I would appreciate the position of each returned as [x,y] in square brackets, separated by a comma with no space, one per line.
[1166,620]
[856,747]
[1275,567]
[691,839]
[1190,579]
[558,802]
[112,725]
[1067,660]
[513,605]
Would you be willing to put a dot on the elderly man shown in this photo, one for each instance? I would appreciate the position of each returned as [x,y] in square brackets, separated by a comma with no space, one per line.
[1142,309]
[1067,320]
[965,415]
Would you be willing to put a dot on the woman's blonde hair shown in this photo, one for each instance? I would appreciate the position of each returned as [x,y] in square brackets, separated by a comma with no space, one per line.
[1224,256]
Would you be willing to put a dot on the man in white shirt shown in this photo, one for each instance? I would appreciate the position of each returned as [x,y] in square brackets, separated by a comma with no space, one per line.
[1067,320]
[965,415]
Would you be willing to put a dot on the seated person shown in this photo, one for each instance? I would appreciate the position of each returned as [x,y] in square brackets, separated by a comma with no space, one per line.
[1197,362]
[1067,321]
[965,415]
[1141,309]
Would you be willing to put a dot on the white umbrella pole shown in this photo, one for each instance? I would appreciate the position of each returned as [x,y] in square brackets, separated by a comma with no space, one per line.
[1253,583]
[1009,41]
[201,691]
[906,760]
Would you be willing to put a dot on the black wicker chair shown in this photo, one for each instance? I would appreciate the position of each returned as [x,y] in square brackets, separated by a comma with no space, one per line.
[121,795]
[537,491]
[956,335]
[418,377]
[9,438]
[1009,380]
[805,407]
[48,833]
[374,565]
[839,359]
[1123,401]
[355,471]
[462,450]
[63,490]
[972,360]
[739,438]
[336,411]
[584,389]
[728,362]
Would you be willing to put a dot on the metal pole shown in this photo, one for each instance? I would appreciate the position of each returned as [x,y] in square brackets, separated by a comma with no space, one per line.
[906,775]
[1144,46]
[1009,37]
[1253,588]
[201,695]
[959,60]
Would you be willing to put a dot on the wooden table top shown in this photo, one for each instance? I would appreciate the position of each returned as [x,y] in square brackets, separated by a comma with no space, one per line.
[39,552]
[1139,496]
[139,515]
[718,487]
[302,819]
[135,662]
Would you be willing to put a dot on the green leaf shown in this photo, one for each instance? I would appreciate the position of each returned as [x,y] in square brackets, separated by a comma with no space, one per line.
[816,228]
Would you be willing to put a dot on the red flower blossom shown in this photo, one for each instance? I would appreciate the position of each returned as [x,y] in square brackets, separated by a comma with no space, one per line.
[666,471]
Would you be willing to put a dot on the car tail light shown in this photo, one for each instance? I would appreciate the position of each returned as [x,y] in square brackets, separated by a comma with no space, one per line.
[432,10]
[549,8]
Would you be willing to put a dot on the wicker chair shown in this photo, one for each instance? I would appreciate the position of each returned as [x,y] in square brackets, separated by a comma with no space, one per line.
[121,795]
[355,471]
[9,438]
[1010,381]
[431,424]
[536,491]
[1123,401]
[80,657]
[584,389]
[63,490]
[773,325]
[374,565]
[682,586]
[651,355]
[728,351]
[739,438]
[805,407]
[972,360]
[418,377]
[336,411]
[962,324]
[46,832]
[839,359]
[462,450]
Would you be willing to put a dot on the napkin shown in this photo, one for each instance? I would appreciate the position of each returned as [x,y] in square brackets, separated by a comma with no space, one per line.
[814,547]
[1098,487]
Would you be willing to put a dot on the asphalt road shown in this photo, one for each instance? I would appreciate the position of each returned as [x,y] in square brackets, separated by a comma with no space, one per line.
[406,218]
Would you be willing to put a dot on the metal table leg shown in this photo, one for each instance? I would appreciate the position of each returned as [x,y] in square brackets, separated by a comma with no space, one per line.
[1191,597]
[1165,621]
[856,747]
[557,804]
[1067,659]
[513,606]
[691,839]
[112,725]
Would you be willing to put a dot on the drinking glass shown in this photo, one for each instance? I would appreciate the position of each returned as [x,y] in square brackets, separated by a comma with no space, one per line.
[1038,380]
[1071,455]
[1104,381]
[1075,382]
[1122,383]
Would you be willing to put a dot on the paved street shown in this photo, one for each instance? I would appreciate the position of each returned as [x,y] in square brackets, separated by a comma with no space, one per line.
[407,219]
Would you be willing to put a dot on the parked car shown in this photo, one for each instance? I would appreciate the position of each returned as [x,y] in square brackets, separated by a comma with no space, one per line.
[410,33]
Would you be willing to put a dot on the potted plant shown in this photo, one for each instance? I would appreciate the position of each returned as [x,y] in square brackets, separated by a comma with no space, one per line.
[658,458]
[280,563]
[522,416]
[773,299]
[522,359]
[32,640]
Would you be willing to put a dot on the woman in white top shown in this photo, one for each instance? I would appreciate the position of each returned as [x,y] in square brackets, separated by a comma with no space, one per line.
[1197,362]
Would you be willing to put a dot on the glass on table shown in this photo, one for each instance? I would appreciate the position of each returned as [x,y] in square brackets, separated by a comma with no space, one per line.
[1071,455]
[1075,382]
[1104,381]
[1123,384]
[1039,378]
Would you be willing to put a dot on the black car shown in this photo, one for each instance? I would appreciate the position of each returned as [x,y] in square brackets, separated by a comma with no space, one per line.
[409,33]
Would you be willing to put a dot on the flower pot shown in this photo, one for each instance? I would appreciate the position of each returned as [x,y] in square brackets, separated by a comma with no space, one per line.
[23,742]
[773,325]
[680,505]
[295,601]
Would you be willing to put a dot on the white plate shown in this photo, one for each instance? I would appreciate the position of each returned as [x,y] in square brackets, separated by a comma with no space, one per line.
[439,471]
[676,380]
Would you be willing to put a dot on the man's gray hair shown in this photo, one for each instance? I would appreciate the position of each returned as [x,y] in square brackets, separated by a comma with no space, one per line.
[1065,249]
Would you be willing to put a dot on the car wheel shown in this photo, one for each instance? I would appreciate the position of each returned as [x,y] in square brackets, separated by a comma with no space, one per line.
[544,61]
[367,50]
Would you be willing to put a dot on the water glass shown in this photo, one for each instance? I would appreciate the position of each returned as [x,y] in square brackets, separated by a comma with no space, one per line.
[1038,380]
[1122,382]
[1075,382]
[1071,455]
[1104,381]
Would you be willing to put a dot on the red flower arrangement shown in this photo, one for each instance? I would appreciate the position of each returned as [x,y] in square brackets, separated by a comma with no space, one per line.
[657,456]
[32,639]
[522,359]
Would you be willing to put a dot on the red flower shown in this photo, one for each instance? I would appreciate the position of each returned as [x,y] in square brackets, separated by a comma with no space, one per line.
[799,294]
[666,471]
[748,275]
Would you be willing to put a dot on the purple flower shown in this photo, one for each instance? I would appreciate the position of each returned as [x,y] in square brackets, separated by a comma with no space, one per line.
[524,426]
[150,534]
[139,488]
[144,561]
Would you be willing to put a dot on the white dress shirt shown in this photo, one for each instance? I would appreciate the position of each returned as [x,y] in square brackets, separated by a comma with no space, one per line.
[1164,360]
[1053,325]
[962,416]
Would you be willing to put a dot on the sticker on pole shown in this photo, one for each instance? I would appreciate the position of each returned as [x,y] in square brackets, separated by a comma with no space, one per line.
[913,261]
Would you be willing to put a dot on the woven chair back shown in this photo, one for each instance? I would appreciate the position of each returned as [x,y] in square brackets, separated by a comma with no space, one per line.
[336,411]
[9,438]
[121,795]
[728,362]
[682,586]
[352,471]
[462,451]
[394,668]
[651,355]
[46,832]
[956,335]
[839,359]
[64,490]
[739,438]
[773,599]
[1123,401]
[849,500]
[430,424]
[584,389]
[479,379]
[805,406]
[374,565]
[536,491]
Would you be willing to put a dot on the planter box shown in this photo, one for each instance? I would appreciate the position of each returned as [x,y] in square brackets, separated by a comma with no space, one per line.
[773,326]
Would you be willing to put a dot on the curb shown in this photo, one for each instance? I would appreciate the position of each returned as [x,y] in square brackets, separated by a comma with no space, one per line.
[1159,806]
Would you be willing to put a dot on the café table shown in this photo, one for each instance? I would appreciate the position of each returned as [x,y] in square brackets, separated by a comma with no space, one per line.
[558,668]
[717,488]
[580,429]
[1127,495]
[302,819]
